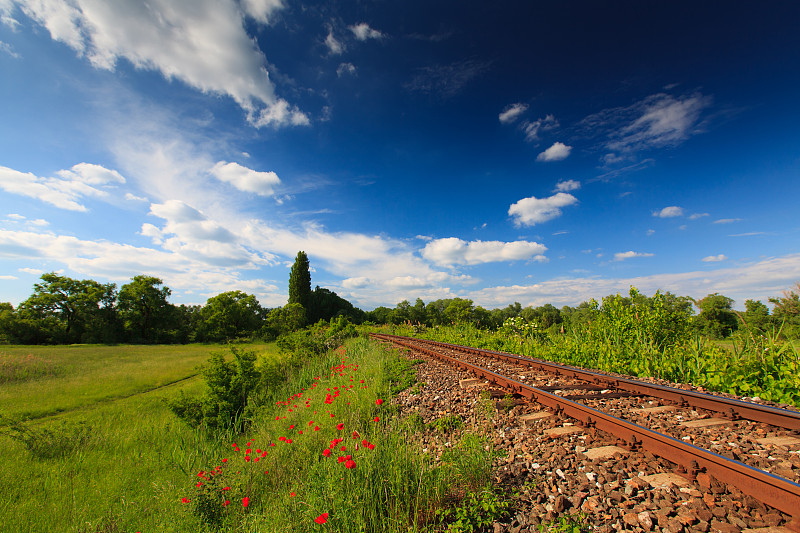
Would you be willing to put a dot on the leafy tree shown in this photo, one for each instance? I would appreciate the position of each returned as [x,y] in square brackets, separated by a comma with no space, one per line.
[418,313]
[74,310]
[716,319]
[756,316]
[300,281]
[786,312]
[144,308]
[459,310]
[230,315]
[325,304]
[380,315]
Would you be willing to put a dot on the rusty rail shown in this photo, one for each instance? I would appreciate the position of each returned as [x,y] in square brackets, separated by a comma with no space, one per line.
[772,490]
[734,409]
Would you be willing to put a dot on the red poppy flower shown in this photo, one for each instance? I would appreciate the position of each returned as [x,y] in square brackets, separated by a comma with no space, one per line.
[292,494]
[377,419]
[365,442]
[378,401]
[321,519]
[326,452]
[371,446]
[227,503]
[349,463]
[316,428]
[226,488]
[288,441]
[245,501]
[185,500]
[199,484]
[291,427]
[340,427]
[225,460]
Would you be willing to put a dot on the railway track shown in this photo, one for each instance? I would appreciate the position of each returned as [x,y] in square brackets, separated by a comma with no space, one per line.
[688,428]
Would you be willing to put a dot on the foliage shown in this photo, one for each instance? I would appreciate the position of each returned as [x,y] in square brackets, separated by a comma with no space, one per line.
[45,443]
[300,281]
[717,319]
[228,316]
[401,373]
[477,511]
[447,423]
[230,386]
[144,308]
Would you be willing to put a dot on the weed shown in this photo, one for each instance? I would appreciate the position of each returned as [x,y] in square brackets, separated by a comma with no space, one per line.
[446,424]
[46,443]
[477,511]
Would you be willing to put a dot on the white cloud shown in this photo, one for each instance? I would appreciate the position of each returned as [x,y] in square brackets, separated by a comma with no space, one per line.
[557,152]
[362,32]
[669,212]
[65,192]
[512,112]
[531,128]
[621,256]
[246,179]
[714,258]
[345,68]
[335,47]
[5,47]
[650,232]
[280,114]
[91,174]
[695,216]
[202,43]
[531,211]
[567,186]
[134,198]
[33,271]
[453,251]
[261,10]
[727,220]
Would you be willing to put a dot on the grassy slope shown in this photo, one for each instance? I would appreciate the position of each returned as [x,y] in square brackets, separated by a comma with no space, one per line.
[136,455]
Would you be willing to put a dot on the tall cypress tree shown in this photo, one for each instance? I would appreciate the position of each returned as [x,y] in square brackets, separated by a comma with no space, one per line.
[300,281]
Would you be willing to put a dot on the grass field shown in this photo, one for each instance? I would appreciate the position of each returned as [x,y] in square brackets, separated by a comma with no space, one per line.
[125,454]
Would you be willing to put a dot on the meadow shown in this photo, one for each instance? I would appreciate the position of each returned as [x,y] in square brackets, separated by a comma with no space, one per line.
[103,451]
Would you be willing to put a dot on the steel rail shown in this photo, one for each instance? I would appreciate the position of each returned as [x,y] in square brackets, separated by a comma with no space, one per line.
[772,490]
[729,407]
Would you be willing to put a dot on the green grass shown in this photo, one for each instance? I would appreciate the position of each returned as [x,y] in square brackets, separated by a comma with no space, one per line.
[46,380]
[125,461]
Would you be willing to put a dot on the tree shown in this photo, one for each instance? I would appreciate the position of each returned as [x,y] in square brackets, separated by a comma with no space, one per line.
[75,310]
[300,281]
[325,304]
[756,316]
[716,319]
[144,308]
[230,315]
[786,312]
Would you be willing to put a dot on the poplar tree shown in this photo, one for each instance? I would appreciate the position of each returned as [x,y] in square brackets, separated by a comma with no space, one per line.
[300,281]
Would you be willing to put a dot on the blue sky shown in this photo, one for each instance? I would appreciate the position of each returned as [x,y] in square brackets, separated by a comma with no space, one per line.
[538,152]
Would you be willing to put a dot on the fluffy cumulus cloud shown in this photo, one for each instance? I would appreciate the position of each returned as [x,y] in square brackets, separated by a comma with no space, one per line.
[202,43]
[245,179]
[65,191]
[453,251]
[512,113]
[671,211]
[363,32]
[531,211]
[714,258]
[335,47]
[622,256]
[568,185]
[557,152]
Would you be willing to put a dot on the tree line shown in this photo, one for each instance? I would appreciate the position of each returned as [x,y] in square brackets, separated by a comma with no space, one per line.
[715,316]
[63,310]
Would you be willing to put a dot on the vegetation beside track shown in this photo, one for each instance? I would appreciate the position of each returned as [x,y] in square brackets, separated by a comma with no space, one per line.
[645,337]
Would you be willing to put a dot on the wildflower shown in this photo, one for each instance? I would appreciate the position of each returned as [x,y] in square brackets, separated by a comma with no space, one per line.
[245,501]
[326,452]
[185,500]
[340,427]
[321,519]
[225,460]
[377,419]
[199,484]
[371,446]
[316,428]
[292,494]
[227,503]
[378,401]
[226,488]
[288,441]
[349,463]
